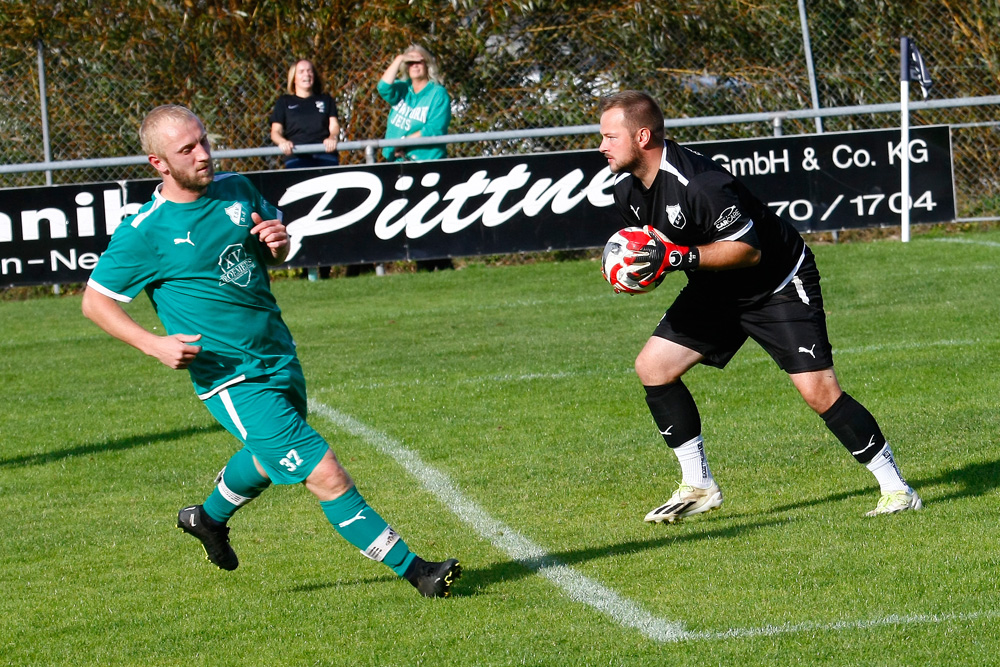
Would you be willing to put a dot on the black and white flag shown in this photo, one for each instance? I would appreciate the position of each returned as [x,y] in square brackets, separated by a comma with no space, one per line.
[918,70]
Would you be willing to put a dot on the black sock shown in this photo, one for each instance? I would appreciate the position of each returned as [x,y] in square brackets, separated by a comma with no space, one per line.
[414,570]
[210,522]
[675,413]
[855,427]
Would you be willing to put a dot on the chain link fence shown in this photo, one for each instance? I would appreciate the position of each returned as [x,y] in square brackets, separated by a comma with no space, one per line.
[531,70]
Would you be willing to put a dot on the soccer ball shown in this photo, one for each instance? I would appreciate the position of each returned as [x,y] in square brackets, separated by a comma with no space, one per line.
[617,260]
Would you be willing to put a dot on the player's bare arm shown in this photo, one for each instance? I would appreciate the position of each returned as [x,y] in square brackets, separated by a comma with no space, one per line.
[727,255]
[273,235]
[173,351]
[660,256]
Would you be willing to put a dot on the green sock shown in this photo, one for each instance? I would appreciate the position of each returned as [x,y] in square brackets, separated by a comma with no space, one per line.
[362,526]
[238,484]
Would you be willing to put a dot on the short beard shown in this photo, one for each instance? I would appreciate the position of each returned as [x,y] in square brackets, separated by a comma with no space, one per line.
[198,182]
[629,165]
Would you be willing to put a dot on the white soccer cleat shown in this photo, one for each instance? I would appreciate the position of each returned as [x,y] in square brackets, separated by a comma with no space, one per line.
[897,501]
[686,501]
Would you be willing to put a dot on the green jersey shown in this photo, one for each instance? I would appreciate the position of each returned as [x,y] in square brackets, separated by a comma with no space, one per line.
[205,274]
[428,111]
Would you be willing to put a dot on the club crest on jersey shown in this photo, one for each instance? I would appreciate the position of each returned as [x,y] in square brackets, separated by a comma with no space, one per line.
[237,267]
[321,106]
[237,214]
[728,217]
[676,216]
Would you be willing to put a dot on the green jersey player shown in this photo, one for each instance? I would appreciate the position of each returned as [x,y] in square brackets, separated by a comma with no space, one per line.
[200,250]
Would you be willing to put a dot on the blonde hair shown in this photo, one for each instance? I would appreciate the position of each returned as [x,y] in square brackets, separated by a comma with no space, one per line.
[317,88]
[149,131]
[433,73]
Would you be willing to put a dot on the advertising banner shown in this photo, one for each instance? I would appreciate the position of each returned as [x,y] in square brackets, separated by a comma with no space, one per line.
[442,208]
[844,180]
[497,205]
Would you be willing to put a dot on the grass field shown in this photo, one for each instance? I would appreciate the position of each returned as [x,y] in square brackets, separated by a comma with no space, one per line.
[492,414]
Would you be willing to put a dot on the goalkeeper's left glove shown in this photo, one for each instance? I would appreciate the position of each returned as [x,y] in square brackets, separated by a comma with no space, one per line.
[661,257]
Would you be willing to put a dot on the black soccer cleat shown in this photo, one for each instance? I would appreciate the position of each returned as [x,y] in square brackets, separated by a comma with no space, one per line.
[433,580]
[193,521]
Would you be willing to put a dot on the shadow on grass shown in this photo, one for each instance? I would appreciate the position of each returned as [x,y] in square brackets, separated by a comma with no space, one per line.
[346,583]
[111,446]
[475,580]
[975,479]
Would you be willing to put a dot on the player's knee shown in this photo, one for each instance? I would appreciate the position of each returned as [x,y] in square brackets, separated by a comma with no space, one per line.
[819,389]
[643,370]
[652,373]
[329,479]
[822,398]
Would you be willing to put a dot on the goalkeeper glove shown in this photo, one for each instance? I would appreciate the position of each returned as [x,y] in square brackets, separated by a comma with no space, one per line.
[662,256]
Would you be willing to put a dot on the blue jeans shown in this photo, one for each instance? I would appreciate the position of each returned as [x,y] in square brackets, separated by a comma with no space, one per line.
[312,161]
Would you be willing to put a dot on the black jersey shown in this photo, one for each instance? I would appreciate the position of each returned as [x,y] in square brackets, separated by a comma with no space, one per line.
[306,120]
[694,201]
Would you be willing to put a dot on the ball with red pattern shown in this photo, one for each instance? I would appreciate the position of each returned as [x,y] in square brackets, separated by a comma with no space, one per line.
[618,260]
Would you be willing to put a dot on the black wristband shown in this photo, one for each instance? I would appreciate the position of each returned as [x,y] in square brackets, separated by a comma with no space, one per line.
[686,261]
[693,259]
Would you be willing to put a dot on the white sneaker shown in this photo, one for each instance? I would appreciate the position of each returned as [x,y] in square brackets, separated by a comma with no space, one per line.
[686,501]
[897,501]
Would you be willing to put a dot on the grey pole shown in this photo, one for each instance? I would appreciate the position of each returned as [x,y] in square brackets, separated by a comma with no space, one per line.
[807,46]
[46,143]
[43,98]
[904,138]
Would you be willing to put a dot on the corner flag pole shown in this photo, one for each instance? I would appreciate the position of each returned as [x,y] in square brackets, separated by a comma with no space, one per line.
[904,142]
[911,65]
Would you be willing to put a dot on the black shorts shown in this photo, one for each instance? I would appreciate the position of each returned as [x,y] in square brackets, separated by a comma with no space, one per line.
[790,324]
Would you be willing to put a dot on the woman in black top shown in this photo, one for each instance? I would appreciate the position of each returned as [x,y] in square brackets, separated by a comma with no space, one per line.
[306,115]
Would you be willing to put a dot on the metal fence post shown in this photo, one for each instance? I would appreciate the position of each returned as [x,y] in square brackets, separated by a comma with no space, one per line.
[807,47]
[43,99]
[44,109]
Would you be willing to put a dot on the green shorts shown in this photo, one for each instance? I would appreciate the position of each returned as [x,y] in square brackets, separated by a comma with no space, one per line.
[268,414]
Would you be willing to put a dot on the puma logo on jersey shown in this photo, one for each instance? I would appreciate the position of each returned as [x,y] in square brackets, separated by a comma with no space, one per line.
[187,239]
[809,350]
[357,517]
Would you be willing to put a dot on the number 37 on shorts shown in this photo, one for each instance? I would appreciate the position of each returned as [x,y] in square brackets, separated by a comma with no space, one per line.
[291,461]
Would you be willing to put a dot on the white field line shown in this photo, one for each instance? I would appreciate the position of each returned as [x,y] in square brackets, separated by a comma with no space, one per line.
[580,587]
[836,626]
[532,556]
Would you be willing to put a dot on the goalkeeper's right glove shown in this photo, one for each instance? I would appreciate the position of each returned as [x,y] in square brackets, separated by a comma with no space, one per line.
[655,260]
